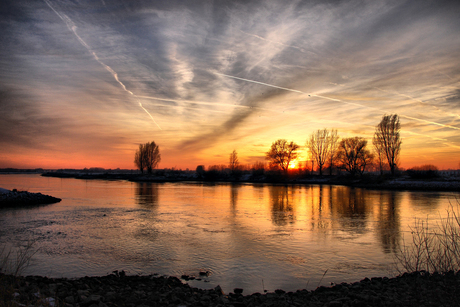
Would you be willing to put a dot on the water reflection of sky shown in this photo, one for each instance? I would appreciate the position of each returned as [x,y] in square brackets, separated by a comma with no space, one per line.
[287,236]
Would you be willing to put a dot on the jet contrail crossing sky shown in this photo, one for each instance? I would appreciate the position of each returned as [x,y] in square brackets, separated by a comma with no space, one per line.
[71,25]
[334,99]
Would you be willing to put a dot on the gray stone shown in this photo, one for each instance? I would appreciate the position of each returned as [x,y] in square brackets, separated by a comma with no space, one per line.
[238,291]
[219,290]
[70,299]
[335,304]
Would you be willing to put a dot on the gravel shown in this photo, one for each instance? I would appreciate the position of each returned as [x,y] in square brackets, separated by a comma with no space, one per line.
[414,289]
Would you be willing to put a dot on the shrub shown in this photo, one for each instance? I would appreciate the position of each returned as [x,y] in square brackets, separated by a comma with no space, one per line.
[13,263]
[433,249]
[426,171]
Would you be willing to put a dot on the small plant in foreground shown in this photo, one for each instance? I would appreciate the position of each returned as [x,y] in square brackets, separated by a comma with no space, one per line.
[434,249]
[13,263]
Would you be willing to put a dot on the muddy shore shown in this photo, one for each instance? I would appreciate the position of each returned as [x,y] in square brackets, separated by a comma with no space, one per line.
[415,289]
[400,184]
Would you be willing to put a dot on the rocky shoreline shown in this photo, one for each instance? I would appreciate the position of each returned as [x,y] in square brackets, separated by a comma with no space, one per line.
[22,198]
[414,289]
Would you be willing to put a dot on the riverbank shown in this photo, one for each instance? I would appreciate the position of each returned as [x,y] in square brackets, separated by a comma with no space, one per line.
[23,198]
[415,289]
[367,182]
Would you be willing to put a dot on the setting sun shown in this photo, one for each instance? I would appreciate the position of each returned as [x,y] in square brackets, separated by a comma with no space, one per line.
[293,164]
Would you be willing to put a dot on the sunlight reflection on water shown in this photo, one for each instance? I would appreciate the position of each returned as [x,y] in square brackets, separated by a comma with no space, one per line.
[251,236]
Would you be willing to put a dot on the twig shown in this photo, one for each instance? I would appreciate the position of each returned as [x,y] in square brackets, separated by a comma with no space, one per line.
[322,278]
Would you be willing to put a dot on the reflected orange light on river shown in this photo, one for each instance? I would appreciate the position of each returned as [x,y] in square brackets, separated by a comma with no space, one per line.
[287,235]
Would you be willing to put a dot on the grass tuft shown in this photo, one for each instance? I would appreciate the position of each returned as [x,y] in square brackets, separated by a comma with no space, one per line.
[14,263]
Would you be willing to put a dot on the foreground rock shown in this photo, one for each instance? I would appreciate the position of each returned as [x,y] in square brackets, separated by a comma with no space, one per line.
[21,198]
[416,289]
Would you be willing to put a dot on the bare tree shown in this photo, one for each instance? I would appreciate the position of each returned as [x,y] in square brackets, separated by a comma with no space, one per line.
[353,156]
[281,153]
[234,162]
[380,154]
[387,141]
[319,147]
[323,146]
[333,145]
[147,157]
[138,158]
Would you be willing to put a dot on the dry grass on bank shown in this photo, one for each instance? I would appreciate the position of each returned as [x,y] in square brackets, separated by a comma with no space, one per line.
[434,248]
[12,264]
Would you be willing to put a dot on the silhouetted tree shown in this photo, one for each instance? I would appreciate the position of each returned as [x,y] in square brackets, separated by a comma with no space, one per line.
[234,162]
[319,149]
[333,144]
[387,141]
[322,144]
[423,172]
[215,172]
[138,158]
[281,153]
[200,171]
[380,155]
[353,156]
[147,157]
[258,169]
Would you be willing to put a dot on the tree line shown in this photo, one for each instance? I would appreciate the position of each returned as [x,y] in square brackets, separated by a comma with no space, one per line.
[325,148]
[349,154]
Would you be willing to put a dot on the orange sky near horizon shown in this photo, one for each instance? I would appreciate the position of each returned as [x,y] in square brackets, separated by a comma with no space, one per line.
[83,84]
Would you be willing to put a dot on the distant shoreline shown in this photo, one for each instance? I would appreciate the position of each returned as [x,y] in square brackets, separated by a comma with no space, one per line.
[398,184]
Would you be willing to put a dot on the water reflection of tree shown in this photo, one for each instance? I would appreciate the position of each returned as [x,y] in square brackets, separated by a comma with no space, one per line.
[429,200]
[234,198]
[282,206]
[388,220]
[350,204]
[355,206]
[147,194]
[320,199]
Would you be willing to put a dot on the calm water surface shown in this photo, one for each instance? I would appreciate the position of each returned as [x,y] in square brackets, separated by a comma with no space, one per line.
[256,237]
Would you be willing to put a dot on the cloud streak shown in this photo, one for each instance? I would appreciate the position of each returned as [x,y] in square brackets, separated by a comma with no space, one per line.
[73,28]
[219,76]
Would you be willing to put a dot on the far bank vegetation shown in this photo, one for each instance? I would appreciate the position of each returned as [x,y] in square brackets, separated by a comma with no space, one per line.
[326,154]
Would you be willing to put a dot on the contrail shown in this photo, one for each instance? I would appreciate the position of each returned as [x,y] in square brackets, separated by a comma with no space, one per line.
[435,138]
[278,43]
[420,101]
[430,122]
[71,25]
[295,91]
[334,99]
[257,82]
[198,102]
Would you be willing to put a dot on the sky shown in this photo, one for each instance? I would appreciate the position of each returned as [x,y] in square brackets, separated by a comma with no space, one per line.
[84,82]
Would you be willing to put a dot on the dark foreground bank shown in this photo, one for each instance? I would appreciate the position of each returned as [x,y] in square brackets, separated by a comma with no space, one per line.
[415,289]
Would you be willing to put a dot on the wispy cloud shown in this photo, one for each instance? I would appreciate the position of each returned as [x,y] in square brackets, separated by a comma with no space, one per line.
[221,75]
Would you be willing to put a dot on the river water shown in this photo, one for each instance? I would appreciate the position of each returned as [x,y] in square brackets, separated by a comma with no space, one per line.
[252,236]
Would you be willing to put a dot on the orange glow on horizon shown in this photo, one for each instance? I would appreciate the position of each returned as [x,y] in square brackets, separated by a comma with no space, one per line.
[293,164]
